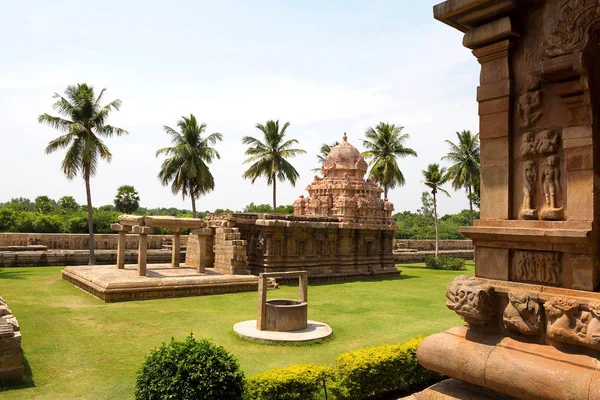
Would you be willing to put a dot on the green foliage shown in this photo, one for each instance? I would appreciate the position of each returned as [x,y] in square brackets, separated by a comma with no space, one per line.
[190,369]
[258,208]
[445,263]
[269,156]
[385,144]
[127,199]
[296,382]
[186,166]
[373,371]
[68,203]
[45,205]
[266,208]
[421,227]
[47,224]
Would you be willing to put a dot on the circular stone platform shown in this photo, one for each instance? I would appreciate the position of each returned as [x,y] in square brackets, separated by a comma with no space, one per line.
[314,331]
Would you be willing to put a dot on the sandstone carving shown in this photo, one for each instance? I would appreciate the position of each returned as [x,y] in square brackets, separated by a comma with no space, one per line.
[571,31]
[529,108]
[11,359]
[528,144]
[547,141]
[537,267]
[470,298]
[529,180]
[523,314]
[344,192]
[552,189]
[572,322]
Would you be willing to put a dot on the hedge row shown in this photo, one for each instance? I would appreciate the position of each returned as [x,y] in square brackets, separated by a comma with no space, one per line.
[357,374]
[446,263]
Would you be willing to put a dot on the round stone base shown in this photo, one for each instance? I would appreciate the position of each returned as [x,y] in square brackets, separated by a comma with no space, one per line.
[314,331]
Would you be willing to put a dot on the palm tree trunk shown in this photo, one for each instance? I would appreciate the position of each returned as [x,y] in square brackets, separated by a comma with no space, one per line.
[471,203]
[193,207]
[88,193]
[437,237]
[274,195]
[385,191]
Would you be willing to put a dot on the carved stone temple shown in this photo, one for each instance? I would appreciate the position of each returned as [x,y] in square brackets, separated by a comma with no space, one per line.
[532,312]
[342,230]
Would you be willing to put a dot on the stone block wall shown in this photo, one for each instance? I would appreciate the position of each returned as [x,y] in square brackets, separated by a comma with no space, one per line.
[11,358]
[75,241]
[230,252]
[193,248]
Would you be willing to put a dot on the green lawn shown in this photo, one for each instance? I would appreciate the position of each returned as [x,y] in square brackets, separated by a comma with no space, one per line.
[78,347]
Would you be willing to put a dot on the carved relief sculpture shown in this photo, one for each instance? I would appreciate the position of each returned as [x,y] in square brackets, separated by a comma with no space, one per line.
[528,211]
[570,33]
[528,144]
[552,189]
[537,267]
[470,298]
[522,314]
[547,141]
[572,322]
[529,104]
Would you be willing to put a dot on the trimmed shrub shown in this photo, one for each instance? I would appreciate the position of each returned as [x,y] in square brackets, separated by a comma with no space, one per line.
[374,371]
[296,382]
[191,369]
[445,263]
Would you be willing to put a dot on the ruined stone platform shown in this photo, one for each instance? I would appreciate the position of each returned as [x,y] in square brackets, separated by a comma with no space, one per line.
[110,284]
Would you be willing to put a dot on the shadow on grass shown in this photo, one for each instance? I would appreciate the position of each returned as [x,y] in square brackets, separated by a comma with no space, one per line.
[7,273]
[26,382]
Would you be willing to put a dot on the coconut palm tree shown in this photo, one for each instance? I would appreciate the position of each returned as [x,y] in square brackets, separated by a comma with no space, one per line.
[84,124]
[466,164]
[268,157]
[323,153]
[385,144]
[435,177]
[186,165]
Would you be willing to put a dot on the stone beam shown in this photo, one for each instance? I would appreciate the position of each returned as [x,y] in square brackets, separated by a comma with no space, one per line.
[131,220]
[173,223]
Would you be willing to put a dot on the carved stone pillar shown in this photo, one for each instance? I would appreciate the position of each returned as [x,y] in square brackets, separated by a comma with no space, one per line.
[534,305]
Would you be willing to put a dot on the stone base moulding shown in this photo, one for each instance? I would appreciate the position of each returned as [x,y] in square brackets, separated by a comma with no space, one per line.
[515,368]
[314,331]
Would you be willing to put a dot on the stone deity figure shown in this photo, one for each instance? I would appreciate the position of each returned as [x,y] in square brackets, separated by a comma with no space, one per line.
[299,205]
[528,144]
[529,178]
[329,203]
[528,108]
[551,181]
[548,142]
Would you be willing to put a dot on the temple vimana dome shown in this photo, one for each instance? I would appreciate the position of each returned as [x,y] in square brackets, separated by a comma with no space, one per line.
[344,192]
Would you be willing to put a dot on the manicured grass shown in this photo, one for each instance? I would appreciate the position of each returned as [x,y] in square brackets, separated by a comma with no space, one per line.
[78,347]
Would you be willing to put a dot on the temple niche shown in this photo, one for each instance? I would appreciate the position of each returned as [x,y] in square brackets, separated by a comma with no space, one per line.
[343,191]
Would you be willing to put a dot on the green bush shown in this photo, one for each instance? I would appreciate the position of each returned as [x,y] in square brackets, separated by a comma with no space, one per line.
[373,371]
[445,263]
[190,369]
[296,382]
[47,224]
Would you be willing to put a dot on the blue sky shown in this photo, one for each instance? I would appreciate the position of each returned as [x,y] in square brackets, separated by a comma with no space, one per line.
[328,67]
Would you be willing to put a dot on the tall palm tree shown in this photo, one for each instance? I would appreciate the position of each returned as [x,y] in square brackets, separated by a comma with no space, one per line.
[435,177]
[466,164]
[323,153]
[84,123]
[385,144]
[186,167]
[268,157]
